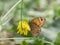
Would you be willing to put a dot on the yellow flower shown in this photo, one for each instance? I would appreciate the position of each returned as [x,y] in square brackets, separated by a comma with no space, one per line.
[23,27]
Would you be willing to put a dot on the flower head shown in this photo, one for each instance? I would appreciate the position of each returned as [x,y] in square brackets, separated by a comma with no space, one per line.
[23,27]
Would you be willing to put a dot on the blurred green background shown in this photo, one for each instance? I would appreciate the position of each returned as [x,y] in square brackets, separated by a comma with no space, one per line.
[10,16]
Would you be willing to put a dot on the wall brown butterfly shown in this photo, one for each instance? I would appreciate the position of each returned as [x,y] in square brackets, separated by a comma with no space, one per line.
[36,24]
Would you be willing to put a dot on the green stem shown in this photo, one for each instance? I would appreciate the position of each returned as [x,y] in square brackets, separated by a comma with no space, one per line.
[10,10]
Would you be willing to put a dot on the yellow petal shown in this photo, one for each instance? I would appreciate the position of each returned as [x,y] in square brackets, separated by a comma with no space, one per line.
[21,32]
[25,32]
[26,28]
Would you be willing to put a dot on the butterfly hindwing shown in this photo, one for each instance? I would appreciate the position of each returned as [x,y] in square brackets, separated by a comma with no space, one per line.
[34,29]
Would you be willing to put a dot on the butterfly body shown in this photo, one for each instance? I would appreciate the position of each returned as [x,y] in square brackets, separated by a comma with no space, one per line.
[35,25]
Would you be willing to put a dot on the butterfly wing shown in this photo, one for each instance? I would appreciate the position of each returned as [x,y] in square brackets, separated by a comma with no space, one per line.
[34,29]
[36,22]
[39,21]
[35,25]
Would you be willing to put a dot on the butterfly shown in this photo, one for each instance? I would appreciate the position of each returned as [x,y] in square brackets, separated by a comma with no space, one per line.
[36,24]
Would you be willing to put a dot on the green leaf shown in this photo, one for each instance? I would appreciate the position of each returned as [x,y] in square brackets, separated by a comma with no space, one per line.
[38,42]
[58,39]
[25,43]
